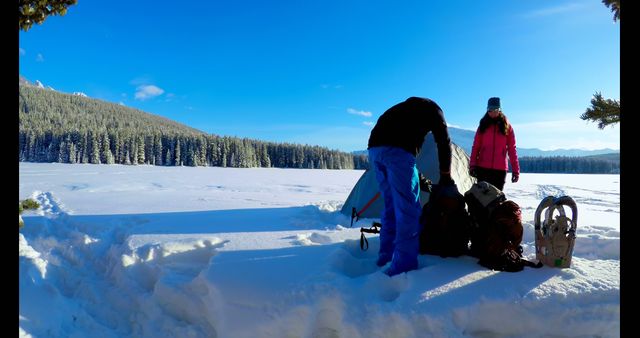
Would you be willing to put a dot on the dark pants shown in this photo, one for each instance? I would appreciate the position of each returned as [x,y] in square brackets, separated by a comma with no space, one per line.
[493,176]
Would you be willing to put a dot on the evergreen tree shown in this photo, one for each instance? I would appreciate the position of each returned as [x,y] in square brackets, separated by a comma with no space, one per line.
[605,112]
[167,159]
[117,148]
[133,151]
[95,149]
[72,153]
[265,161]
[157,149]
[63,153]
[106,155]
[85,148]
[178,160]
[614,5]
[36,11]
[141,150]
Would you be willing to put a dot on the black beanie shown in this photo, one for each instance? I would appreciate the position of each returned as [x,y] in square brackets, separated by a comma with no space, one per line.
[493,103]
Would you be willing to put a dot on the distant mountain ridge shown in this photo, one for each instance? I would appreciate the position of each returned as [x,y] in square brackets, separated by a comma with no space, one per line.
[24,82]
[464,139]
[565,152]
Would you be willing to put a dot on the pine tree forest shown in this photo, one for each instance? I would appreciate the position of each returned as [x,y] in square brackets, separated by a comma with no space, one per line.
[65,128]
[601,164]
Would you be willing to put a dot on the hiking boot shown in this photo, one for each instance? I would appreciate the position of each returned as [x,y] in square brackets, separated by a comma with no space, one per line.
[383,259]
[399,266]
[392,270]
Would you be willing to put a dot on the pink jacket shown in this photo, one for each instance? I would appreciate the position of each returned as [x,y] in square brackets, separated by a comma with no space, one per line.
[491,147]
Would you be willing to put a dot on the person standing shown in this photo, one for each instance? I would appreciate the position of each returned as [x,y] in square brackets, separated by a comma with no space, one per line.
[494,140]
[393,145]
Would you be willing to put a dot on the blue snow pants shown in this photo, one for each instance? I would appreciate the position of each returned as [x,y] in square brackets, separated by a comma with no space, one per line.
[397,177]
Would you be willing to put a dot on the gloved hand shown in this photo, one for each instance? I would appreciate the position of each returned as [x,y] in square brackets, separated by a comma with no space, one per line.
[515,177]
[425,183]
[472,171]
[445,179]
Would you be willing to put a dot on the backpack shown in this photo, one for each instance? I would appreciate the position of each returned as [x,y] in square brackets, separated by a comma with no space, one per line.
[555,238]
[481,199]
[497,229]
[445,223]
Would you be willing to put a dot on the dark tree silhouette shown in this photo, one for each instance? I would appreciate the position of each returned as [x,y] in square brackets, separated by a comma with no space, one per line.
[614,5]
[36,11]
[603,111]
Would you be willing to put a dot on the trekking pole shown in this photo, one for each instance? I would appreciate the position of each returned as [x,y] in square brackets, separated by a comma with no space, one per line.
[356,214]
[374,229]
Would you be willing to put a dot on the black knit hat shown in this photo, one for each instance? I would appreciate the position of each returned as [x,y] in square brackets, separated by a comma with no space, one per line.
[494,103]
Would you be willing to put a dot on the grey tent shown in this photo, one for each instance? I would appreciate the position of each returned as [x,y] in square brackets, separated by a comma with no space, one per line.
[365,200]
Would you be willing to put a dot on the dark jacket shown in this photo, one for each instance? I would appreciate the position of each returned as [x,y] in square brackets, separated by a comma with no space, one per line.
[407,123]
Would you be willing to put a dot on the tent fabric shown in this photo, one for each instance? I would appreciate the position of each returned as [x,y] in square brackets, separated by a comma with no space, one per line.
[365,196]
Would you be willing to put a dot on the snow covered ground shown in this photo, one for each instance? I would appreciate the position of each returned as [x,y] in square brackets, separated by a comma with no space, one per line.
[143,251]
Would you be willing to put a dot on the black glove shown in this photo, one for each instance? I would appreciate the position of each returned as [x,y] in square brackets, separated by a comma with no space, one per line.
[425,183]
[445,179]
[472,172]
[515,177]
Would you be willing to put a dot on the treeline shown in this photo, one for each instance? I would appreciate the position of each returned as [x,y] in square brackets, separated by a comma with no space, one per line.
[57,127]
[602,164]
[107,147]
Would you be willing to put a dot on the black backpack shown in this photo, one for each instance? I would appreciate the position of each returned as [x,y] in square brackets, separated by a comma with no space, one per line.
[481,199]
[496,231]
[444,223]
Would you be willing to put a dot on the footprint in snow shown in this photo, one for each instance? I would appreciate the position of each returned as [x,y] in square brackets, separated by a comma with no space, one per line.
[310,239]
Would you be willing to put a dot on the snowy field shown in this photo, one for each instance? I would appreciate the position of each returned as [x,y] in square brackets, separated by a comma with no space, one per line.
[143,251]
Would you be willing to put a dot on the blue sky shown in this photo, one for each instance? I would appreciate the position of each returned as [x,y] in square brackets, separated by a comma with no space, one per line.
[322,72]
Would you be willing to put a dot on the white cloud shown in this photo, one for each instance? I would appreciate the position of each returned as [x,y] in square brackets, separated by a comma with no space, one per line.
[555,10]
[145,92]
[39,58]
[554,125]
[328,86]
[359,112]
[141,80]
[368,123]
[21,51]
[566,134]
